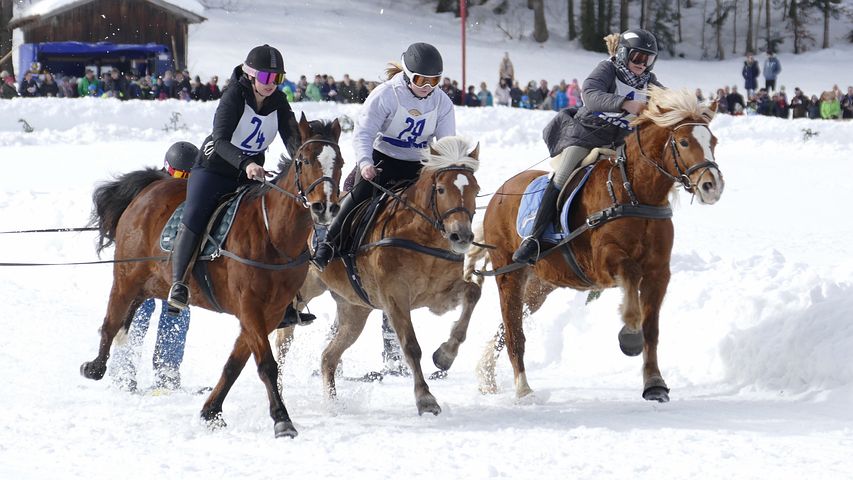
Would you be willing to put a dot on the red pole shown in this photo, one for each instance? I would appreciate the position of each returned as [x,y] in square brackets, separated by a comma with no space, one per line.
[462,13]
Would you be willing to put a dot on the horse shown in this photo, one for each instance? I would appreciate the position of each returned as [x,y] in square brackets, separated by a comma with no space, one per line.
[404,266]
[266,266]
[622,234]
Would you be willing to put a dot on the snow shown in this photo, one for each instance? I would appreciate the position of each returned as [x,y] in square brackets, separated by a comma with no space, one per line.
[756,338]
[43,7]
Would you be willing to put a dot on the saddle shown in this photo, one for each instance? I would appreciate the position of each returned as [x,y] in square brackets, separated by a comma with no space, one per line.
[594,156]
[213,238]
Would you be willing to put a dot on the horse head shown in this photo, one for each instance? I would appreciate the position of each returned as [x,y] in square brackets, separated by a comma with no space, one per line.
[687,153]
[318,163]
[450,166]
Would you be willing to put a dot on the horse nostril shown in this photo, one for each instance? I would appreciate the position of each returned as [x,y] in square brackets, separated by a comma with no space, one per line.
[334,209]
[707,186]
[454,237]
[318,207]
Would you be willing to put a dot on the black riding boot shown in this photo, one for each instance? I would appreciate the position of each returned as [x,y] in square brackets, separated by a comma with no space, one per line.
[326,249]
[528,251]
[183,254]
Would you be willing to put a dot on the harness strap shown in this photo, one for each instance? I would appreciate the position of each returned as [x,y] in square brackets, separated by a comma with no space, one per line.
[417,247]
[161,258]
[595,220]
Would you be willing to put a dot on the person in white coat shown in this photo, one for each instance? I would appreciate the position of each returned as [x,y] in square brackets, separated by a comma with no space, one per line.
[399,119]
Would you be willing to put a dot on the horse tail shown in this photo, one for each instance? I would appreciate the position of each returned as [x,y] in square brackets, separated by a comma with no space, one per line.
[111,199]
[474,255]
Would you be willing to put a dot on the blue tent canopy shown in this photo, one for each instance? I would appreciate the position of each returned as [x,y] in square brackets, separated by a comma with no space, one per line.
[72,58]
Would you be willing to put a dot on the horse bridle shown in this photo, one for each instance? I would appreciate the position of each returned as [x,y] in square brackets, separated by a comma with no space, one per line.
[437,220]
[302,194]
[683,177]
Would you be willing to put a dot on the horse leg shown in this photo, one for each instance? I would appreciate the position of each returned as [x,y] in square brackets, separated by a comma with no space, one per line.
[445,354]
[628,275]
[401,320]
[350,323]
[486,367]
[510,287]
[651,296]
[120,309]
[211,412]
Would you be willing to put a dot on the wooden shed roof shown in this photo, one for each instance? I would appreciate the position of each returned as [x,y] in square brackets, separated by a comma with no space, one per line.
[191,10]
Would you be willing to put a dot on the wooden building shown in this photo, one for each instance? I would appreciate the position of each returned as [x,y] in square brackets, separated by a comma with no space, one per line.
[116,21]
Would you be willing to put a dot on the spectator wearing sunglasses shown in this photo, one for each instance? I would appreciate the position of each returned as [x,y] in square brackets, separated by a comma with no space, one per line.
[398,120]
[613,94]
[171,329]
[250,113]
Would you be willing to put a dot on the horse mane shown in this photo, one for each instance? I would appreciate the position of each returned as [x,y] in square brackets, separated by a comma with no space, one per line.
[668,107]
[321,128]
[449,151]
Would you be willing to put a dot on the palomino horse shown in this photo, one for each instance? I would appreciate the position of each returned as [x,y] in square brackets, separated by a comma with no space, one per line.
[625,232]
[270,231]
[405,265]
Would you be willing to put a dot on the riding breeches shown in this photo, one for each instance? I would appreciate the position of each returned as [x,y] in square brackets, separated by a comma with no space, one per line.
[389,171]
[204,189]
[572,158]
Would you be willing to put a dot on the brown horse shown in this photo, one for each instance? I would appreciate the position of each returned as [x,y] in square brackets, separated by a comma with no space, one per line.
[433,213]
[271,229]
[625,234]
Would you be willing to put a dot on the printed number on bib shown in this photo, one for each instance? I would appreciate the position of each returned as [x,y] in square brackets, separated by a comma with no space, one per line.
[414,128]
[256,134]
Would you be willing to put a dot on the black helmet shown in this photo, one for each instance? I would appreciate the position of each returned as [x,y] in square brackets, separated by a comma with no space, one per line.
[422,59]
[266,59]
[637,40]
[181,156]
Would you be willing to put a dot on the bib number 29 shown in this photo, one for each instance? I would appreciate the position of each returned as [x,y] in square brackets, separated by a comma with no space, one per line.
[414,129]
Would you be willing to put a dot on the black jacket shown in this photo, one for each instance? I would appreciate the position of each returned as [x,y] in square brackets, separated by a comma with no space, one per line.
[226,158]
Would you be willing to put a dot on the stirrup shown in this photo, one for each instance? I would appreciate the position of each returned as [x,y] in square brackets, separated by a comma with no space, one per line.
[322,263]
[179,296]
[531,257]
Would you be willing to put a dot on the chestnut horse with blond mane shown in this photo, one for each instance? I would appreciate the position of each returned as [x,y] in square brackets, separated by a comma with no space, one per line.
[413,258]
[263,265]
[623,232]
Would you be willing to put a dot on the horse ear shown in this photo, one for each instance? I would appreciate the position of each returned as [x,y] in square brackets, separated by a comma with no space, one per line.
[304,128]
[475,154]
[712,110]
[336,129]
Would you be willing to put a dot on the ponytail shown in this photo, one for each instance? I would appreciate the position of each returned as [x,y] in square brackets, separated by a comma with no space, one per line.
[392,69]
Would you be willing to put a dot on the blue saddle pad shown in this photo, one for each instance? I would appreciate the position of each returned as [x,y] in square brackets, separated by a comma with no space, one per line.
[530,202]
[219,231]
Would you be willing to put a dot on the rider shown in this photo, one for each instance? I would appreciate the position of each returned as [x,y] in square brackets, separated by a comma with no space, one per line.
[250,113]
[399,118]
[172,329]
[613,94]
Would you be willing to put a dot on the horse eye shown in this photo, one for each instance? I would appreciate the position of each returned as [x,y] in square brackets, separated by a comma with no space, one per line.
[684,143]
[440,190]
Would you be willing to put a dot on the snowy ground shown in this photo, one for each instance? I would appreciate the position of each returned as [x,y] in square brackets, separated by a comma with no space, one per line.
[756,330]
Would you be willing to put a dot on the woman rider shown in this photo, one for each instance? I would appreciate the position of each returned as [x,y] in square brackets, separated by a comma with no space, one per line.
[397,122]
[250,113]
[613,94]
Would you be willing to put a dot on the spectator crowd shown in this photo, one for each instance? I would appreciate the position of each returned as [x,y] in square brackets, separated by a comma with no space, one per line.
[112,83]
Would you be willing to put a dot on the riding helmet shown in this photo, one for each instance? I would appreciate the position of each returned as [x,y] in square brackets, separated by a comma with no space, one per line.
[181,156]
[266,59]
[636,39]
[423,59]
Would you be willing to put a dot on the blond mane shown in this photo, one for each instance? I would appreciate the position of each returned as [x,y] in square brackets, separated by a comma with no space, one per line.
[666,108]
[449,151]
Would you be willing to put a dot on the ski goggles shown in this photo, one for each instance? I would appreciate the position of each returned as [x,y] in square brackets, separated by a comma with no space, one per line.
[175,173]
[638,57]
[264,78]
[419,80]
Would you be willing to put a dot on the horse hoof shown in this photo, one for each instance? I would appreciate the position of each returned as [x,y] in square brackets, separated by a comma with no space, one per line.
[441,359]
[428,406]
[656,393]
[285,429]
[215,422]
[92,370]
[631,342]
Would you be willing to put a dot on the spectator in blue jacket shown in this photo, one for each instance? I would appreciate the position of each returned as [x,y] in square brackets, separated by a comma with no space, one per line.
[485,96]
[750,75]
[772,67]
